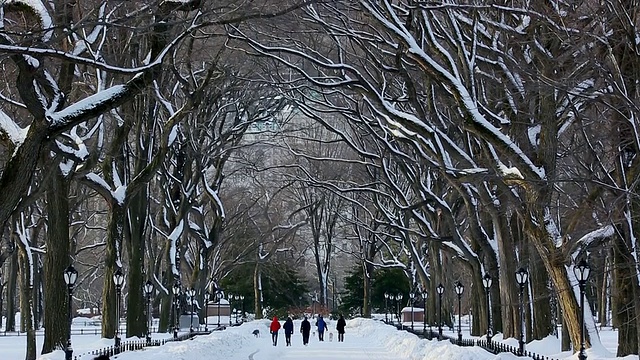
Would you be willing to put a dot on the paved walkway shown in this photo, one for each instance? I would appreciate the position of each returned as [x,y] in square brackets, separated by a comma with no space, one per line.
[353,348]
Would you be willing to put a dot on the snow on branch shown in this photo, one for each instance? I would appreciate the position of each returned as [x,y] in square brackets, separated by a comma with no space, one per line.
[10,131]
[37,8]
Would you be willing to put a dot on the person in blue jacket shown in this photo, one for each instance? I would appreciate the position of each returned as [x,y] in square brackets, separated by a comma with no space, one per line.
[288,330]
[322,326]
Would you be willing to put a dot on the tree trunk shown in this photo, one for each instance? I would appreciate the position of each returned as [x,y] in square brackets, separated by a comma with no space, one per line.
[257,291]
[11,292]
[508,314]
[368,270]
[566,339]
[567,302]
[56,319]
[136,300]
[541,296]
[624,277]
[112,262]
[26,299]
[166,299]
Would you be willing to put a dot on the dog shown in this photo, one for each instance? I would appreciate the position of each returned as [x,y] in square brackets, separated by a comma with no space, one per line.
[330,336]
[256,333]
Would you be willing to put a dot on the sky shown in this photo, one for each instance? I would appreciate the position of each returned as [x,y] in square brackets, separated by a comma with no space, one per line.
[365,339]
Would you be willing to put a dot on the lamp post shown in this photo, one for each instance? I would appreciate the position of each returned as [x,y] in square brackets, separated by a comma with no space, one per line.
[207,296]
[487,281]
[412,297]
[521,278]
[242,307]
[176,295]
[440,291]
[236,311]
[148,289]
[191,294]
[386,307]
[459,290]
[230,299]
[424,295]
[219,297]
[398,299]
[70,277]
[118,280]
[582,271]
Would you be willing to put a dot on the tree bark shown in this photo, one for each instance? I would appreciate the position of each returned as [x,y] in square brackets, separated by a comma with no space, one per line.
[26,300]
[136,300]
[56,260]
[257,291]
[112,257]
[11,292]
[624,277]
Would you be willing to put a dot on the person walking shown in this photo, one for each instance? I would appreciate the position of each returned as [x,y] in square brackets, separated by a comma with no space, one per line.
[288,330]
[322,326]
[275,326]
[340,327]
[305,329]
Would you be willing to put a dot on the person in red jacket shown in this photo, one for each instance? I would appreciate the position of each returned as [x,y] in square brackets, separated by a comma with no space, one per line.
[275,326]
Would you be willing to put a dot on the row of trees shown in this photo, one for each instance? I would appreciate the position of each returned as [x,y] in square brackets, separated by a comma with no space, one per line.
[183,140]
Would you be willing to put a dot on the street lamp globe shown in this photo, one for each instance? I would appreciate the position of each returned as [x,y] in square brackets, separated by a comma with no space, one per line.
[459,288]
[522,276]
[70,276]
[440,289]
[399,297]
[487,281]
[148,288]
[176,289]
[582,270]
[118,278]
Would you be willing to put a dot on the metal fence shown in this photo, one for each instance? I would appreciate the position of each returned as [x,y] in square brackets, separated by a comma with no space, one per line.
[493,347]
[141,344]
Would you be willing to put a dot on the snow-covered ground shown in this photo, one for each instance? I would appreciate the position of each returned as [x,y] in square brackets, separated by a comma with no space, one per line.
[365,339]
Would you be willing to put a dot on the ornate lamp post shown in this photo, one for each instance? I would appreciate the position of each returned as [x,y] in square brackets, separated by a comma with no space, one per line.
[70,277]
[582,271]
[440,291]
[412,297]
[148,289]
[219,297]
[191,294]
[487,281]
[459,290]
[207,296]
[386,307]
[242,307]
[176,296]
[118,280]
[230,298]
[236,311]
[398,299]
[424,295]
[521,278]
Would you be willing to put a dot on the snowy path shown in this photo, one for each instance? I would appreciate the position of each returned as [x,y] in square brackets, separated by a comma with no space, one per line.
[354,348]
[365,339]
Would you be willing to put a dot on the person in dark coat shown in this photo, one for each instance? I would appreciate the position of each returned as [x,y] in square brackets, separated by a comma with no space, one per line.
[288,330]
[322,326]
[305,329]
[340,327]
